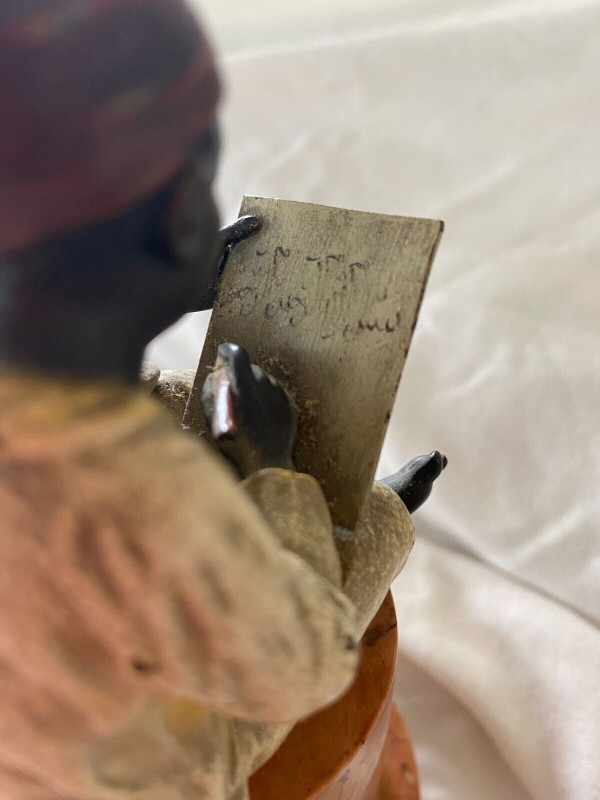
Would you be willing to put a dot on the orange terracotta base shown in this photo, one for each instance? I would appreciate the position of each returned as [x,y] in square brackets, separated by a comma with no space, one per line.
[357,749]
[396,776]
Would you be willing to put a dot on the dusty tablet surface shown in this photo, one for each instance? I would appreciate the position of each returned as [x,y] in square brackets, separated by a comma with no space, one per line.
[326,300]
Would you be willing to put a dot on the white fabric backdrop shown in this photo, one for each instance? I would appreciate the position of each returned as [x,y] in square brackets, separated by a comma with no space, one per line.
[486,114]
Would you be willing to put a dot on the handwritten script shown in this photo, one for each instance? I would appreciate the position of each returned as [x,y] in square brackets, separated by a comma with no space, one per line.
[334,279]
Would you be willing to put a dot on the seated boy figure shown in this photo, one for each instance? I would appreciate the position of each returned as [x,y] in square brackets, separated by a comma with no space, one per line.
[163,624]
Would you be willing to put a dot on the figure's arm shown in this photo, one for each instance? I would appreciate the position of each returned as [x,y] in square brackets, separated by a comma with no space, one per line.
[262,634]
[244,622]
[374,554]
[252,421]
[297,517]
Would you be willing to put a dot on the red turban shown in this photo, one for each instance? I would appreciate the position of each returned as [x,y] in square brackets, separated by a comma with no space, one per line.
[100,101]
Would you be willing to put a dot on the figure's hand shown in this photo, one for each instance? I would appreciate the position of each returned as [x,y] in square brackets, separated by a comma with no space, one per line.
[249,415]
[239,230]
[232,235]
[414,482]
[229,236]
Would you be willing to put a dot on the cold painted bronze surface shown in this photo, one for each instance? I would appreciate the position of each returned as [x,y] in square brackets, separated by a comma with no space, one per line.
[414,481]
[164,625]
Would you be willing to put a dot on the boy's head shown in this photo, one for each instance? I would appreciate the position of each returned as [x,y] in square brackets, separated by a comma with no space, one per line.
[108,149]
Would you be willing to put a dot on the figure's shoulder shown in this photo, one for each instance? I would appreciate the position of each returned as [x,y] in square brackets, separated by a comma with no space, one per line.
[109,447]
[47,417]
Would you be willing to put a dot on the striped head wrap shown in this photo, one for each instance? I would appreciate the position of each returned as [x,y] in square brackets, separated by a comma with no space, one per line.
[100,102]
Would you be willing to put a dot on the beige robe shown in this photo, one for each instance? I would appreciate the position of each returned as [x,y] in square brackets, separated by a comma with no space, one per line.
[156,620]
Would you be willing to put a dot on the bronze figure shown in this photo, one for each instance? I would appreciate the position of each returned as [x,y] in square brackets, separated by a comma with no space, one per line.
[163,623]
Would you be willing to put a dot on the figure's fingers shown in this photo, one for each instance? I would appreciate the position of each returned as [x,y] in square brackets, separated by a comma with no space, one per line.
[218,406]
[235,360]
[208,400]
[267,385]
[425,469]
[414,481]
[239,230]
[255,394]
[275,399]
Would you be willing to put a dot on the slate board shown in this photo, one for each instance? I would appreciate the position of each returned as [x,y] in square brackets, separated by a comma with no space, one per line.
[326,300]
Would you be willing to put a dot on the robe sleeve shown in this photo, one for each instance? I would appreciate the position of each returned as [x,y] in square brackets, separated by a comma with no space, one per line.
[246,606]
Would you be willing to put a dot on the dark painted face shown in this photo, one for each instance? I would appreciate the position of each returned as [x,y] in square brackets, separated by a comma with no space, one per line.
[192,227]
[89,301]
